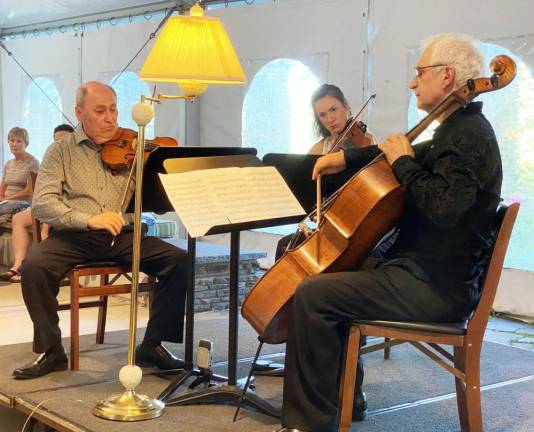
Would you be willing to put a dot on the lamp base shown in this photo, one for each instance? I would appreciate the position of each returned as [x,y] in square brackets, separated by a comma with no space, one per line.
[128,406]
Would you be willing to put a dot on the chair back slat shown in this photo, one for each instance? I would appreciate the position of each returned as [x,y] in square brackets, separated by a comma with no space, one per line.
[36,223]
[505,219]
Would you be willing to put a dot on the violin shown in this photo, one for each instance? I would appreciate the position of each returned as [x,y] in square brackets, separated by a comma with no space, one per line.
[118,154]
[355,132]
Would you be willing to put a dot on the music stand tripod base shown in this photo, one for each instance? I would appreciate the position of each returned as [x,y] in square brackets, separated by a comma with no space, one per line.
[202,377]
[226,394]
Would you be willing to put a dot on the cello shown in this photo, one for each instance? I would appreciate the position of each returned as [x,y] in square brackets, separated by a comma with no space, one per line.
[357,217]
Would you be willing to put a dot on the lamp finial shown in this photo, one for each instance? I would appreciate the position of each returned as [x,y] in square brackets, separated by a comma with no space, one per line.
[196,10]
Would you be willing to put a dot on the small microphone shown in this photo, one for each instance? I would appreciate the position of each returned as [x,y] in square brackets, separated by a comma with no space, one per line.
[204,354]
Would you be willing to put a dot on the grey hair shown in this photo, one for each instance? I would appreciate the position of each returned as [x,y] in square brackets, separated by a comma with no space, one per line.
[82,91]
[458,51]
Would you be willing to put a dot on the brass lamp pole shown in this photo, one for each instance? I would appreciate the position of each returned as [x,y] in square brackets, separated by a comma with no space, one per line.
[130,406]
[193,52]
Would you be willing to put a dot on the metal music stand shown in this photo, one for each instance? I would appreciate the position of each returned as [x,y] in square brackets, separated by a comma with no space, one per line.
[154,196]
[230,393]
[155,200]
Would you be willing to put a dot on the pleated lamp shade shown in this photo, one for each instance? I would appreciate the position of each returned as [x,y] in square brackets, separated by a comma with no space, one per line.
[193,51]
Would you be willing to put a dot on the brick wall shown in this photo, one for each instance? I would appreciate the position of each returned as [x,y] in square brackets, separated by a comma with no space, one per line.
[212,282]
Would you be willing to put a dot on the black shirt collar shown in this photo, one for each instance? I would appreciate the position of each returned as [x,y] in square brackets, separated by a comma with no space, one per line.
[470,109]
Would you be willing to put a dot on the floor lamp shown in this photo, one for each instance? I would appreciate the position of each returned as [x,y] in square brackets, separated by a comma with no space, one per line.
[193,51]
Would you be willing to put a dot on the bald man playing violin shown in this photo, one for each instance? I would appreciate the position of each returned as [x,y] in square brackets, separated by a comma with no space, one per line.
[432,272]
[80,199]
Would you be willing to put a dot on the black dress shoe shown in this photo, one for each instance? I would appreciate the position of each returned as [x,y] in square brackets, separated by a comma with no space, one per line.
[157,356]
[51,361]
[359,407]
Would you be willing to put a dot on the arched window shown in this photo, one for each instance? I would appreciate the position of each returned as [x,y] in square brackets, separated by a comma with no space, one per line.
[129,89]
[40,116]
[511,113]
[277,115]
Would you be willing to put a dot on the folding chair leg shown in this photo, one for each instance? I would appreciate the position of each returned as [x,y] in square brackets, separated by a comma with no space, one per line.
[74,322]
[472,373]
[101,323]
[348,379]
[461,393]
[468,393]
[387,350]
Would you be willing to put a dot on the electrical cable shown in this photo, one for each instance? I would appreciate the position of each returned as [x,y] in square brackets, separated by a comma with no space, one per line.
[30,416]
[150,37]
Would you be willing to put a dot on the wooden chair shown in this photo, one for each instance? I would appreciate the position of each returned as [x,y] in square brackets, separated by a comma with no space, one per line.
[108,274]
[466,339]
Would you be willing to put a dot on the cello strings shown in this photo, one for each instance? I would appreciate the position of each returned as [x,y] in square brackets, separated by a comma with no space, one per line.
[324,207]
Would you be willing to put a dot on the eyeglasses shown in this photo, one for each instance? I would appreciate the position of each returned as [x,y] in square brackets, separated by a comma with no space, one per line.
[419,70]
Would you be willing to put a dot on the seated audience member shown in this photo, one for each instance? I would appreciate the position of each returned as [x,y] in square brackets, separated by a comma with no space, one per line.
[14,187]
[20,240]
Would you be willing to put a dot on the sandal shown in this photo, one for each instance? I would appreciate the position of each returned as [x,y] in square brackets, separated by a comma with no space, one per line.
[15,278]
[9,274]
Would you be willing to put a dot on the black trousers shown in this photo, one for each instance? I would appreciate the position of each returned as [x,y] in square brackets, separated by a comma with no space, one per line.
[324,306]
[49,261]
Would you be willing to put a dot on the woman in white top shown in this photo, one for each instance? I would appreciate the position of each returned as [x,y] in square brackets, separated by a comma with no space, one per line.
[22,221]
[14,185]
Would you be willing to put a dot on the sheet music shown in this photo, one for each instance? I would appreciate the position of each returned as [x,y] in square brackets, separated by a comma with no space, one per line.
[274,198]
[232,194]
[194,203]
[206,198]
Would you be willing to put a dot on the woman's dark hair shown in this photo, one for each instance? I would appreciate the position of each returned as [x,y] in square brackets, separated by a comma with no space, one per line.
[321,92]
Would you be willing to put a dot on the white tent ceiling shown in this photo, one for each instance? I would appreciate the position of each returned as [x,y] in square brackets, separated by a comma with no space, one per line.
[26,15]
[17,13]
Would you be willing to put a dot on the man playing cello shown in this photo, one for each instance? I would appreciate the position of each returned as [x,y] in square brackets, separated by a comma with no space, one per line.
[432,272]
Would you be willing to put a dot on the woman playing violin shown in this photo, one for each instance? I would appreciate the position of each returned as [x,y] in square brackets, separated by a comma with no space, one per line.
[432,272]
[331,111]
